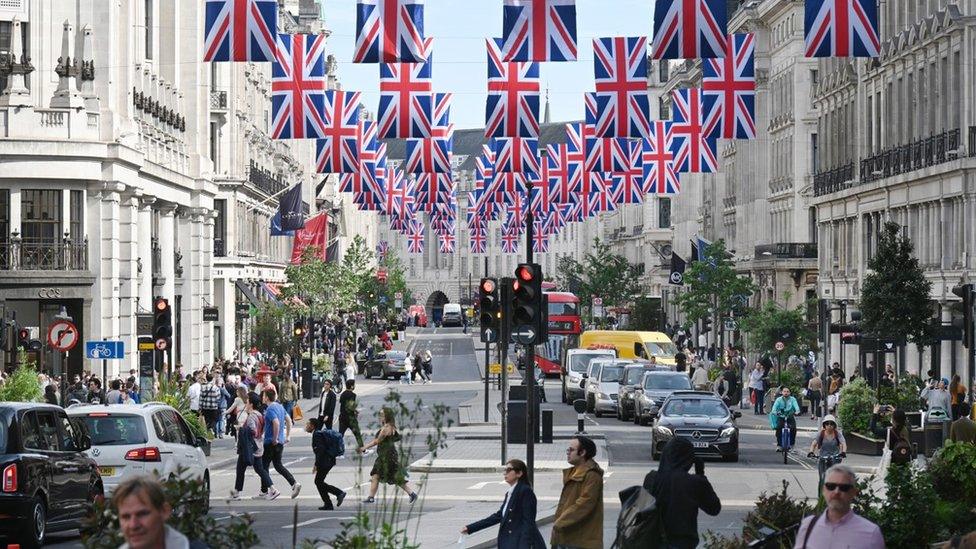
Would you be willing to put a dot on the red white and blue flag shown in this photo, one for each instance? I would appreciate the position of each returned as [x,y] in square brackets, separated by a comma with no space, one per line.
[447,240]
[406,100]
[512,109]
[604,194]
[622,99]
[415,237]
[539,30]
[609,155]
[510,240]
[517,155]
[694,151]
[628,186]
[382,247]
[431,154]
[338,151]
[390,31]
[565,172]
[240,30]
[478,237]
[660,176]
[842,28]
[689,29]
[433,189]
[298,87]
[540,238]
[729,90]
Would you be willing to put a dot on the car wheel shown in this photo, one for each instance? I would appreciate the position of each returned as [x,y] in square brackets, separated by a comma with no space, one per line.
[37,528]
[206,492]
[637,417]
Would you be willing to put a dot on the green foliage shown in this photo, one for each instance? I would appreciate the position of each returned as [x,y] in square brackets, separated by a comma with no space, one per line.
[899,514]
[903,396]
[171,393]
[602,273]
[21,385]
[857,400]
[322,286]
[769,324]
[646,315]
[776,511]
[270,332]
[790,376]
[190,502]
[895,300]
[953,471]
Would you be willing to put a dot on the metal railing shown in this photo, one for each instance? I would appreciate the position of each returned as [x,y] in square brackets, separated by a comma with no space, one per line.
[266,181]
[787,250]
[218,100]
[219,250]
[22,254]
[833,180]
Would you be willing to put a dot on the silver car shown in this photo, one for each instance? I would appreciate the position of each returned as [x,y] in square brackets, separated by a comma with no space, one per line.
[577,364]
[602,385]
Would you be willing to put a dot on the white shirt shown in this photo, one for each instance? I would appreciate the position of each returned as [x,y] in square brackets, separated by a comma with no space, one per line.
[194,395]
[174,540]
[700,377]
[508,496]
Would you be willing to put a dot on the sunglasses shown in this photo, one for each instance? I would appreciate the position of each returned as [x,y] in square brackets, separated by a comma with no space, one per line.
[829,424]
[509,469]
[831,486]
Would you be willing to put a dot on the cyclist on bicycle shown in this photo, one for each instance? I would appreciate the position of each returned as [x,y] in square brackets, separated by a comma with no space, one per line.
[830,440]
[785,409]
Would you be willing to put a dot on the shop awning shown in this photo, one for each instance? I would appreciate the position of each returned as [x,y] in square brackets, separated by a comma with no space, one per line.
[248,293]
[271,293]
[274,290]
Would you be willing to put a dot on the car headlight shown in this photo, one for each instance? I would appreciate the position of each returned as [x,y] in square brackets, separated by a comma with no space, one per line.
[603,396]
[661,429]
[728,431]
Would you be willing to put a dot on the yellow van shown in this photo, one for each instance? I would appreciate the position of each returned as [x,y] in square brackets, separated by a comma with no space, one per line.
[633,344]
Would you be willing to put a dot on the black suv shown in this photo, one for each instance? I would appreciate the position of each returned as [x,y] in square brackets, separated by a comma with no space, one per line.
[47,483]
[702,419]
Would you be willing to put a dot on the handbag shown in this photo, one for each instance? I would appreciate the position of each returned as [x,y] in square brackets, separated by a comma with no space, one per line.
[297,413]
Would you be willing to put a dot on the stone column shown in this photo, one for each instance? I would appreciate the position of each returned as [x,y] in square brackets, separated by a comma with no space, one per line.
[144,257]
[945,362]
[167,249]
[105,244]
[129,279]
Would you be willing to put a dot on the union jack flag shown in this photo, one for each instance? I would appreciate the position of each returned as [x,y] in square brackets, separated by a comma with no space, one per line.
[382,247]
[442,109]
[517,155]
[513,96]
[540,238]
[505,187]
[620,67]
[478,237]
[628,186]
[433,189]
[515,216]
[431,154]
[390,31]
[406,105]
[298,87]
[609,155]
[689,29]
[539,30]
[415,237]
[366,153]
[510,241]
[339,151]
[729,90]
[694,151]
[659,174]
[604,194]
[540,200]
[841,28]
[240,30]
[564,173]
[447,240]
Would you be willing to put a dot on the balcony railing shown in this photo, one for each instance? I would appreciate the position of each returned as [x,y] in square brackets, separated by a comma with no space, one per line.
[833,180]
[218,100]
[43,255]
[787,250]
[266,181]
[219,248]
[930,151]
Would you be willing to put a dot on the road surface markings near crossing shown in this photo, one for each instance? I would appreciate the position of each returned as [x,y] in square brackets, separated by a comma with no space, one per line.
[314,520]
[481,485]
[294,461]
[235,515]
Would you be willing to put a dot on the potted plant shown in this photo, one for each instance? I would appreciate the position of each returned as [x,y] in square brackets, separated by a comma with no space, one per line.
[857,400]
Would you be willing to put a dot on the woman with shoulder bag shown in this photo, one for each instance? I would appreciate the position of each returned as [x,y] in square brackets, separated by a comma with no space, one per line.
[898,438]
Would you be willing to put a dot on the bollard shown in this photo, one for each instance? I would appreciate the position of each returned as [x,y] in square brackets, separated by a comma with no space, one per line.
[547,426]
[580,406]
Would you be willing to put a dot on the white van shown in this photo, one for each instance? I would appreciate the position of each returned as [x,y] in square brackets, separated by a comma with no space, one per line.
[452,315]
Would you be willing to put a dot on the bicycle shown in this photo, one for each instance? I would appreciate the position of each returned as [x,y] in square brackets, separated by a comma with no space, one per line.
[824,463]
[785,437]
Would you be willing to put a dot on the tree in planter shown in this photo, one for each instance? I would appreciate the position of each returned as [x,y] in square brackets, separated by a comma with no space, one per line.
[21,385]
[776,511]
[895,302]
[857,400]
[269,331]
[323,287]
[601,273]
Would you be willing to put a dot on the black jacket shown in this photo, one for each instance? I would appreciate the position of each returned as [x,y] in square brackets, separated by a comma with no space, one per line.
[519,530]
[327,407]
[680,495]
[347,400]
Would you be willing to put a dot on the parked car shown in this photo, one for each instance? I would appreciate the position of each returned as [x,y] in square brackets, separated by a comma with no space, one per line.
[47,481]
[654,388]
[574,366]
[386,365]
[701,418]
[136,439]
[630,380]
[602,384]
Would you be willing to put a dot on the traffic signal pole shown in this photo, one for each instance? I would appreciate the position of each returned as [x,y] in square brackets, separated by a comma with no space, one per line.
[530,419]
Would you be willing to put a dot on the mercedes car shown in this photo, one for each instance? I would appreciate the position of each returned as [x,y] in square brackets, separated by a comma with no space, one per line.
[702,419]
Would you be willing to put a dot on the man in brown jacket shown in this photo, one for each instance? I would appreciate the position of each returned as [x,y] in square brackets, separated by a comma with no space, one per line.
[579,516]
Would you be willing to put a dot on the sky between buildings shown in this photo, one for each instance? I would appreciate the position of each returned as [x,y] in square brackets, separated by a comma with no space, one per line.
[459,29]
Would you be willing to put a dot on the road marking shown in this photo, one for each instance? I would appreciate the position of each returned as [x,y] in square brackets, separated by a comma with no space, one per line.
[235,515]
[290,463]
[314,520]
[481,485]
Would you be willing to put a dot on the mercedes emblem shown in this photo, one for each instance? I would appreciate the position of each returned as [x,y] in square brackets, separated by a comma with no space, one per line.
[696,435]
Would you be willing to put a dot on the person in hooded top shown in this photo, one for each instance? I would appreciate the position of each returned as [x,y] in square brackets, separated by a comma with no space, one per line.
[681,494]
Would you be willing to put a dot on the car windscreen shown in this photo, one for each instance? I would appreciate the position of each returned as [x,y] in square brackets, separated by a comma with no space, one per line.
[696,407]
[661,349]
[579,362]
[611,373]
[667,382]
[632,376]
[394,356]
[116,429]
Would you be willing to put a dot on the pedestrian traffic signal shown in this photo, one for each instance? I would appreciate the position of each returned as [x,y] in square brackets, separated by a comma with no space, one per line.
[23,338]
[966,292]
[528,316]
[162,323]
[489,306]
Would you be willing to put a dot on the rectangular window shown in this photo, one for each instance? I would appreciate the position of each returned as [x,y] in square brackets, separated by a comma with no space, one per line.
[77,216]
[664,213]
[215,145]
[220,228]
[814,77]
[41,215]
[814,153]
[663,67]
[149,29]
[4,215]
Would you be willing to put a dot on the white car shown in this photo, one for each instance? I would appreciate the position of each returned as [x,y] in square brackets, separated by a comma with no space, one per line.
[136,439]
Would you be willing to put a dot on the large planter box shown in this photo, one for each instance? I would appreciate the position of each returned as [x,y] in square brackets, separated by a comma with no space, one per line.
[865,446]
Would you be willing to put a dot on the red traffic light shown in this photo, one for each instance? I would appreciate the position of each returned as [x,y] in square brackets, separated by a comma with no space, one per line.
[23,335]
[488,286]
[525,273]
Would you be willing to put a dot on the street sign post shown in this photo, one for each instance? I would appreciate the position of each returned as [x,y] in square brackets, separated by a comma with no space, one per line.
[597,307]
[62,335]
[780,345]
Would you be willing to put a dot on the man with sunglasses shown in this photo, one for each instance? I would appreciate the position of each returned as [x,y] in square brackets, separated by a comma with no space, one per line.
[839,526]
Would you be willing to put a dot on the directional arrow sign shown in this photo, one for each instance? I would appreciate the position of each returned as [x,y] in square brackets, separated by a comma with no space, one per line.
[526,335]
[489,336]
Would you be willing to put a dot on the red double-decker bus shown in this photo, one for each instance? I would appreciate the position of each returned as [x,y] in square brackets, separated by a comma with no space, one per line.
[565,328]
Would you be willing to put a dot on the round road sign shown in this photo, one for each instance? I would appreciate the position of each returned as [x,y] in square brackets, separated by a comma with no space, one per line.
[780,345]
[62,335]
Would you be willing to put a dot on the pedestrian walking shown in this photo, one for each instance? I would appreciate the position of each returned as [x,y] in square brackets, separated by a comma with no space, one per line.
[815,395]
[250,451]
[839,525]
[418,366]
[114,396]
[579,515]
[349,413]
[387,467]
[275,426]
[327,404]
[326,444]
[957,392]
[898,438]
[143,514]
[288,393]
[518,512]
[680,494]
[50,395]
[237,411]
[756,389]
[193,394]
[427,368]
[938,399]
[209,405]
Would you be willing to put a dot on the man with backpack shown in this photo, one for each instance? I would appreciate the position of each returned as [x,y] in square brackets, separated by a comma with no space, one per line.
[327,445]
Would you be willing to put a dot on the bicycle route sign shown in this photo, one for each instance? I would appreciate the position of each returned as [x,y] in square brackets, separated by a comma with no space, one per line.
[105,350]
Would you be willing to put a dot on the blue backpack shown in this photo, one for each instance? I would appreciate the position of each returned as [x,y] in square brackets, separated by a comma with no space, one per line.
[335,443]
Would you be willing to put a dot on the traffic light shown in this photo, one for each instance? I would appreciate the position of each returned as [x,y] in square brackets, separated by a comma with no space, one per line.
[489,306]
[706,324]
[23,338]
[528,318]
[966,292]
[162,323]
[299,329]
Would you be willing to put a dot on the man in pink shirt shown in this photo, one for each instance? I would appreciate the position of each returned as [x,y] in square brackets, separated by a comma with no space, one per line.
[839,527]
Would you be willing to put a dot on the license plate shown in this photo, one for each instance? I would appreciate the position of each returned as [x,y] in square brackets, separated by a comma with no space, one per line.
[700,444]
[106,471]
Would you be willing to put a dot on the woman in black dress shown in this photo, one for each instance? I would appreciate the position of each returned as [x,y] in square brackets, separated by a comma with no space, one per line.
[387,467]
